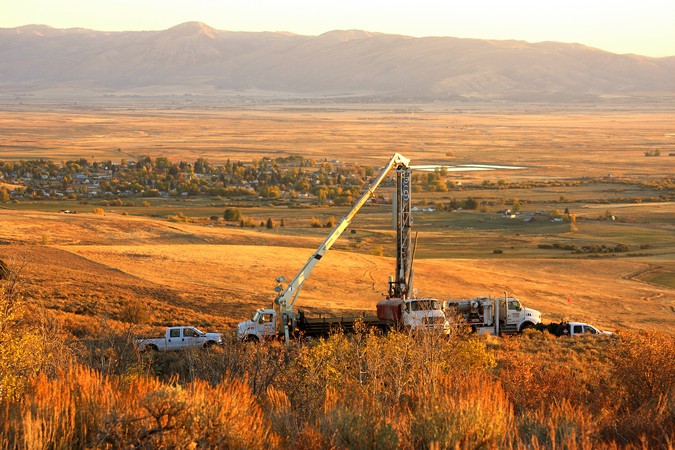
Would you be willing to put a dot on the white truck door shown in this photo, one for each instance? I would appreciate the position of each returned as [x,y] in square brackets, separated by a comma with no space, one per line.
[514,314]
[588,329]
[268,323]
[174,339]
[191,339]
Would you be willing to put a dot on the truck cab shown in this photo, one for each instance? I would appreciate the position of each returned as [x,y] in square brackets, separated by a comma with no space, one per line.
[263,324]
[580,329]
[423,313]
[513,314]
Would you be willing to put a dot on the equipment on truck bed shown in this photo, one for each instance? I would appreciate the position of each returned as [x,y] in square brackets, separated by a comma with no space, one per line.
[488,315]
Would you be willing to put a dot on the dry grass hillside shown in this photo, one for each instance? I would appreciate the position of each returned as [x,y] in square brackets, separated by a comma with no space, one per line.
[86,266]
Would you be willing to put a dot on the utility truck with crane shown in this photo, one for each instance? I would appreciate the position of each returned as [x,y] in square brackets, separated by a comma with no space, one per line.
[398,310]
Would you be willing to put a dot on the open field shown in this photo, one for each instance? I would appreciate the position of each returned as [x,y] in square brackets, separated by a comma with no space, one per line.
[563,143]
[216,275]
[86,265]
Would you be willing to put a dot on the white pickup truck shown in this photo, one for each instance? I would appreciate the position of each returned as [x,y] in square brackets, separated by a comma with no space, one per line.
[579,329]
[179,338]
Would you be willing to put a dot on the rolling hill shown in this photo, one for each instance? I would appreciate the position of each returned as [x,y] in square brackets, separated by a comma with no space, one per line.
[195,58]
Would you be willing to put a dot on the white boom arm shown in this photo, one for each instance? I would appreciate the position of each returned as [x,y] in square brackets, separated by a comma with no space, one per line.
[287,298]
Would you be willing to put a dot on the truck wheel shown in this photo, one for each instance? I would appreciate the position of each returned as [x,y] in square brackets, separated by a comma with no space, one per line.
[525,326]
[152,348]
[209,344]
[252,338]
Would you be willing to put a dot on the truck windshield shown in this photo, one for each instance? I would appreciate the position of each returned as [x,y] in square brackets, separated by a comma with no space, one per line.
[425,305]
[256,316]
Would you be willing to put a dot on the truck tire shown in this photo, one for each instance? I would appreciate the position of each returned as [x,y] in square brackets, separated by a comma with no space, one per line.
[152,348]
[251,338]
[209,344]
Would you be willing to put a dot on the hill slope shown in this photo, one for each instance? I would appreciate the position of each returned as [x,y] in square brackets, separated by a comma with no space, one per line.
[214,277]
[193,57]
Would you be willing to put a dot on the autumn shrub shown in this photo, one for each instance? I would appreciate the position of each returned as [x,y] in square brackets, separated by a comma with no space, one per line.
[350,419]
[645,383]
[368,389]
[29,341]
[4,271]
[559,424]
[373,390]
[259,364]
[81,408]
[247,222]
[179,218]
[460,411]
[315,222]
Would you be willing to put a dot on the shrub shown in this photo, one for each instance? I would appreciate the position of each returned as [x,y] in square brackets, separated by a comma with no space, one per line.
[4,270]
[645,375]
[460,412]
[470,203]
[247,222]
[84,409]
[315,223]
[232,214]
[180,217]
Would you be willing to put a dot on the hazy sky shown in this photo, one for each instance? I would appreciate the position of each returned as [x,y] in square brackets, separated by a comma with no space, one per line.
[644,27]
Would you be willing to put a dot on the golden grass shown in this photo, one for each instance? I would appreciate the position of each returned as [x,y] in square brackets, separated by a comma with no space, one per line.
[218,276]
[394,391]
[577,142]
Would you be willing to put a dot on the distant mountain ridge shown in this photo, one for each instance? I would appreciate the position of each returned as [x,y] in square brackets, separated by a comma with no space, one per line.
[195,56]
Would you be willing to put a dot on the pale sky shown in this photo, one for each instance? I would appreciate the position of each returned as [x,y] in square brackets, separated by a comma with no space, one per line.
[645,27]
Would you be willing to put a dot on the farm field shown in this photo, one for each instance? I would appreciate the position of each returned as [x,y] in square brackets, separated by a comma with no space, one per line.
[561,143]
[194,271]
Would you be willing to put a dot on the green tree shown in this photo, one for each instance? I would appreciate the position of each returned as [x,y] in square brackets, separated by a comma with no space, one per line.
[470,203]
[515,206]
[233,214]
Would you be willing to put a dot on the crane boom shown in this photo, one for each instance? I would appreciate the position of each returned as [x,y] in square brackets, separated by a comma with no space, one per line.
[287,298]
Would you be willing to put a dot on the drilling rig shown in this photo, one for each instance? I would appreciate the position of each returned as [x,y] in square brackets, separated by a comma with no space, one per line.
[399,309]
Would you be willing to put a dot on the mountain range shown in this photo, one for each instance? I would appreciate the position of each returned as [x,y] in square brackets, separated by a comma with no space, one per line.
[193,57]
